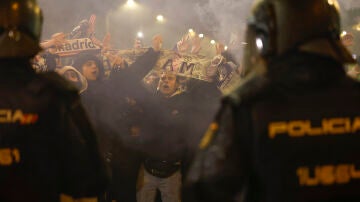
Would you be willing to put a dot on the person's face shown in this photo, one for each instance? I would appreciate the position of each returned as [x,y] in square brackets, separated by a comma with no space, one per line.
[168,84]
[71,76]
[90,70]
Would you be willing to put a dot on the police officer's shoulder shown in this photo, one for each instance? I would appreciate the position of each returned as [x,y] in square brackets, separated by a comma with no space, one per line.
[248,89]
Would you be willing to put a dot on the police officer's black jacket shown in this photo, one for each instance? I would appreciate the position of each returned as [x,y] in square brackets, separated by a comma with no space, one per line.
[47,145]
[289,135]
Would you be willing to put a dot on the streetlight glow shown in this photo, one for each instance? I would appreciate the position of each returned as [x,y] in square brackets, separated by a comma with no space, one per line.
[201,35]
[213,42]
[131,3]
[160,18]
[331,2]
[226,48]
[192,33]
[259,44]
[140,35]
[343,33]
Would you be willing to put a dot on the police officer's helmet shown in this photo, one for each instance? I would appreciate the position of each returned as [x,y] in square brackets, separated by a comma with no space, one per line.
[281,26]
[20,28]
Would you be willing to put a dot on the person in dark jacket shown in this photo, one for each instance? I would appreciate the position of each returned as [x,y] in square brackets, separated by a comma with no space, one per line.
[165,130]
[128,95]
[98,103]
[48,149]
[290,133]
[96,96]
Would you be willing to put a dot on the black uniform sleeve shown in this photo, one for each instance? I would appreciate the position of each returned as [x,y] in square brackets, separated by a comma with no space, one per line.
[137,70]
[220,168]
[83,170]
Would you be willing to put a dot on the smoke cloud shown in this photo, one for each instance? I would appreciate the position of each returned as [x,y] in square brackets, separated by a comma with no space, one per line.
[224,17]
[215,18]
[220,19]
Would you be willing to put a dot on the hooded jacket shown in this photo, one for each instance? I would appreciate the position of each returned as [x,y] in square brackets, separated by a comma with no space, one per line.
[83,84]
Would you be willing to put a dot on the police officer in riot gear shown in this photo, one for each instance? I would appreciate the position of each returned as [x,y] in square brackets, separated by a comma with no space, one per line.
[48,150]
[291,130]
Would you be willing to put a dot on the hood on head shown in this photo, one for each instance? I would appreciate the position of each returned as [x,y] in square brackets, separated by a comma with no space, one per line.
[83,82]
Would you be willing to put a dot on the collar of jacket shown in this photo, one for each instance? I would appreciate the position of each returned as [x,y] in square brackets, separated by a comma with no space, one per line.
[295,71]
[302,67]
[177,92]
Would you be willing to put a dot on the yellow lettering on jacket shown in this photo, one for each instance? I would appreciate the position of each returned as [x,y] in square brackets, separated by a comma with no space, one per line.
[5,115]
[8,116]
[327,175]
[9,156]
[302,128]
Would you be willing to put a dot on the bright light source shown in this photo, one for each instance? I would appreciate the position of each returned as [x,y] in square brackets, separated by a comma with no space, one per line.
[192,33]
[259,44]
[225,48]
[160,18]
[213,42]
[343,33]
[201,35]
[140,35]
[131,3]
[334,3]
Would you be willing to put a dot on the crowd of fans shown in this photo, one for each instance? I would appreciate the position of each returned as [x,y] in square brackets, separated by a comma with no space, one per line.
[148,121]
